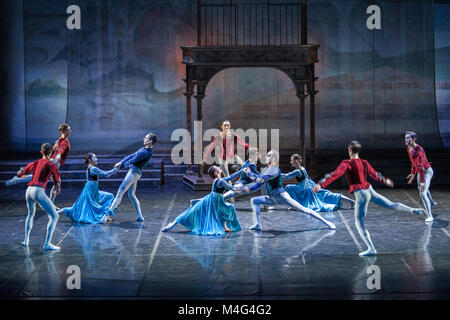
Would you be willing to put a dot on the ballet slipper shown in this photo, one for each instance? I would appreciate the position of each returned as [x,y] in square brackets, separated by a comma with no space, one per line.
[368,252]
[255,227]
[51,247]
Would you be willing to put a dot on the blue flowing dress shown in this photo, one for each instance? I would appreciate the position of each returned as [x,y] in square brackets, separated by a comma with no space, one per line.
[207,215]
[92,203]
[303,193]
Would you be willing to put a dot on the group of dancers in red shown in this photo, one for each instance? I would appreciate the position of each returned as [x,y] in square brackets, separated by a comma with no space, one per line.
[214,214]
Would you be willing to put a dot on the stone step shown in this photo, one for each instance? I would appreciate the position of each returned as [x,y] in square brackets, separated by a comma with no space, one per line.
[104,165]
[170,179]
[78,174]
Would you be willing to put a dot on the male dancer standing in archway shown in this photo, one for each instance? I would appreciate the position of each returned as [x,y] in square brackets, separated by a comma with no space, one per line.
[225,141]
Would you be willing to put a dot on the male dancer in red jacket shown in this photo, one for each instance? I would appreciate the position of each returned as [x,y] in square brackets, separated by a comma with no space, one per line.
[421,167]
[356,171]
[225,143]
[41,170]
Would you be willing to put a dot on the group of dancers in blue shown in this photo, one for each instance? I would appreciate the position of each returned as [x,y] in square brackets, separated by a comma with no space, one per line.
[212,215]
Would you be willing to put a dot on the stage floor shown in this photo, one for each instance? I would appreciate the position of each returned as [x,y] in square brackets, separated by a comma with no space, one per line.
[294,257]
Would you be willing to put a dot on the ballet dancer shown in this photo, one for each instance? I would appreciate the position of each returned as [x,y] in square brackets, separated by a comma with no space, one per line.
[92,203]
[356,171]
[41,170]
[135,162]
[421,167]
[210,215]
[60,152]
[244,179]
[303,192]
[225,140]
[273,192]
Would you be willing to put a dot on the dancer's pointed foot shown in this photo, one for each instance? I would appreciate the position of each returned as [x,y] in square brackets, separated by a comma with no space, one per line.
[330,224]
[227,229]
[140,218]
[11,181]
[419,211]
[24,243]
[104,219]
[368,252]
[429,219]
[168,227]
[291,209]
[51,247]
[255,227]
[433,203]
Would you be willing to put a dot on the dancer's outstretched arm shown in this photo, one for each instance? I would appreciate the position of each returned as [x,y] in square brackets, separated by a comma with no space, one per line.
[336,174]
[29,168]
[241,142]
[378,176]
[56,179]
[270,174]
[224,184]
[296,173]
[233,176]
[210,148]
[127,162]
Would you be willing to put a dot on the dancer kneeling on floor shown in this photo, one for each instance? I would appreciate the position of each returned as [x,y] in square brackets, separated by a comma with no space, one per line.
[92,204]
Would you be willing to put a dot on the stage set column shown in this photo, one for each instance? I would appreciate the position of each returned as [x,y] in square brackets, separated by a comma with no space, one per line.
[188,94]
[199,97]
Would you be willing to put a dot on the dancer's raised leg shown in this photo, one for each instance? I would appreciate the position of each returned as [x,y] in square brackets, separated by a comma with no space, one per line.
[298,207]
[397,206]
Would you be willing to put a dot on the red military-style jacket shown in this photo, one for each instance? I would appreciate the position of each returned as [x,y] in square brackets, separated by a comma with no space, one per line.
[62,147]
[42,170]
[227,146]
[419,161]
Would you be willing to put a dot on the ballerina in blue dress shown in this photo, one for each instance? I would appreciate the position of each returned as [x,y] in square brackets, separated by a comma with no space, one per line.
[210,215]
[92,203]
[303,191]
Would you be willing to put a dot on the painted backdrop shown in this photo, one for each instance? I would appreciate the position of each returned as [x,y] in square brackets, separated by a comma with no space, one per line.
[121,75]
